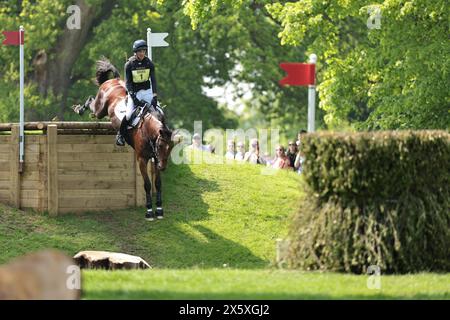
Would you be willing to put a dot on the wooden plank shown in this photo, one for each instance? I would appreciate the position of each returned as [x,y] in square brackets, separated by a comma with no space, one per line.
[29,194]
[32,166]
[95,184]
[30,175]
[31,146]
[32,157]
[32,139]
[65,210]
[95,193]
[14,190]
[84,132]
[4,195]
[4,165]
[109,157]
[60,124]
[4,185]
[32,185]
[125,201]
[52,169]
[4,147]
[103,139]
[5,156]
[30,203]
[67,174]
[91,148]
[87,165]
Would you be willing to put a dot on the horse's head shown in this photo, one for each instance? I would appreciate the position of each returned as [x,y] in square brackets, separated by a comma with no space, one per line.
[164,145]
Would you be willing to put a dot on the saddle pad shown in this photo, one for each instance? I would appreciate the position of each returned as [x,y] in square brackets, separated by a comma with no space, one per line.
[120,111]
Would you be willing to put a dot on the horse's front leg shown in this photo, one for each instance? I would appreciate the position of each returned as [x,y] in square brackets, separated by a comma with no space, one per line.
[148,188]
[159,209]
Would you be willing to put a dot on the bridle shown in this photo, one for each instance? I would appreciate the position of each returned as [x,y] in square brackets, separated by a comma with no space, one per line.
[154,145]
[154,151]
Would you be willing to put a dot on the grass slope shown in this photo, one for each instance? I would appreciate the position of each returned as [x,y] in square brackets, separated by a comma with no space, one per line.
[214,215]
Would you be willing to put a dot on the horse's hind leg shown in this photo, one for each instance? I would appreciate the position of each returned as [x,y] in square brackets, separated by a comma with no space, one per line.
[79,109]
[159,209]
[148,188]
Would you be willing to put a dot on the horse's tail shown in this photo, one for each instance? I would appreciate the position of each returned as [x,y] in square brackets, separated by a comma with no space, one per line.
[105,71]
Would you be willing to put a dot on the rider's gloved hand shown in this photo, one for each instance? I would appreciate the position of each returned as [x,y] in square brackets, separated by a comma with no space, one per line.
[154,101]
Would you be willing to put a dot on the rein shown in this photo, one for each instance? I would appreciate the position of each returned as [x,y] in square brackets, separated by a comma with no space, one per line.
[154,144]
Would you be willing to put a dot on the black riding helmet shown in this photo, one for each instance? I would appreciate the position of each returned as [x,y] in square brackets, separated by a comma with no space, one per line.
[139,45]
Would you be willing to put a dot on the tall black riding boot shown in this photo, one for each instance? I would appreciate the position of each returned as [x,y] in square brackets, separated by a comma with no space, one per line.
[120,140]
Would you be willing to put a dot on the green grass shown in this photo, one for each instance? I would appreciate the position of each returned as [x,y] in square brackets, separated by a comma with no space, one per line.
[215,215]
[257,284]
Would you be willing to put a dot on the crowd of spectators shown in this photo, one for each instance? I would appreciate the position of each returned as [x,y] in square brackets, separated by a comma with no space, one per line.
[291,158]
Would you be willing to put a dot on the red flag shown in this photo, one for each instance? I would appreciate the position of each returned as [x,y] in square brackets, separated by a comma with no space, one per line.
[12,38]
[298,74]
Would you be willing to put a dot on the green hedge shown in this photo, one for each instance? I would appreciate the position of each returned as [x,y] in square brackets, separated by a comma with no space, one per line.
[378,198]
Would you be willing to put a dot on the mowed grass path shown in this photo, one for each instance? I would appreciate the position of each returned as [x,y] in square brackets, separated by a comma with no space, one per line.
[217,241]
[258,284]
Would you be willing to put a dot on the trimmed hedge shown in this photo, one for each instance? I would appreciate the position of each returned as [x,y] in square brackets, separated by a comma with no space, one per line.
[376,198]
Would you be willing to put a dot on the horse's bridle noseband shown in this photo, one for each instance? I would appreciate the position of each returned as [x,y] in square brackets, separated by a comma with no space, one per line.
[154,146]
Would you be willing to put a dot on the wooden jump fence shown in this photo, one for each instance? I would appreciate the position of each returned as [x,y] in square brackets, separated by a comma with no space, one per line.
[70,167]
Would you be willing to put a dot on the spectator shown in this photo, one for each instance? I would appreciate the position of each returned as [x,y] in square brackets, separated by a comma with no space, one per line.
[197,143]
[268,159]
[292,153]
[240,151]
[252,155]
[299,160]
[230,150]
[300,136]
[281,161]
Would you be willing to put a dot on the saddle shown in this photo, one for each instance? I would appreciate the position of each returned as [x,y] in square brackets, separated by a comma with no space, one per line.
[141,110]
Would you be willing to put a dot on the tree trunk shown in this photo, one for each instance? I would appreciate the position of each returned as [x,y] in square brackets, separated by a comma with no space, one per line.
[55,73]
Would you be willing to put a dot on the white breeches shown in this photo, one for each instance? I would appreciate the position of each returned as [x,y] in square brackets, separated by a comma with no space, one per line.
[144,95]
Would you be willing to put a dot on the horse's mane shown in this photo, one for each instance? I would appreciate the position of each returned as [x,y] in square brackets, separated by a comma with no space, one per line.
[161,118]
[158,116]
[105,71]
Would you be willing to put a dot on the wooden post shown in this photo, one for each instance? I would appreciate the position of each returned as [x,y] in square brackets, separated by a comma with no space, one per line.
[14,167]
[52,169]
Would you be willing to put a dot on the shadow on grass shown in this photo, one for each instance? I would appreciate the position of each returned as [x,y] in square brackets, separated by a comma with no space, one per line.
[174,295]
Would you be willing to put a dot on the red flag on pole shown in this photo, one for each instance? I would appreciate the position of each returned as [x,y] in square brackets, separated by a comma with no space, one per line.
[12,38]
[298,74]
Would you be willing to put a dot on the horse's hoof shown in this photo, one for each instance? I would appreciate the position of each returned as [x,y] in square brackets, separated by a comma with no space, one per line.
[159,213]
[78,109]
[150,216]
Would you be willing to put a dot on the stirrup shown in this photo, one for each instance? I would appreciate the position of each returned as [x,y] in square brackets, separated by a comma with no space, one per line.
[120,140]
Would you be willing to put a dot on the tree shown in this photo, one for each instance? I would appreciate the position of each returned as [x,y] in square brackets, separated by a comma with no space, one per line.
[387,78]
[61,62]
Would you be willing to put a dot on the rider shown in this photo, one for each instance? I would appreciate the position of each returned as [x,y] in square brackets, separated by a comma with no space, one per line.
[140,83]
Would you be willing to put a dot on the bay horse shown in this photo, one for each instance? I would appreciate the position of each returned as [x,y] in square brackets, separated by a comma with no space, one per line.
[151,138]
